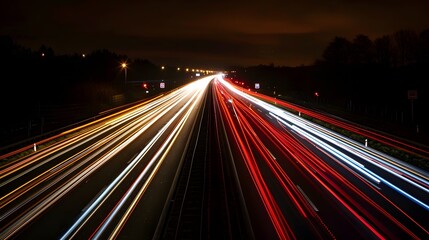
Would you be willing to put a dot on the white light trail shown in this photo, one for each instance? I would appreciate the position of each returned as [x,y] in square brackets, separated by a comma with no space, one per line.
[313,132]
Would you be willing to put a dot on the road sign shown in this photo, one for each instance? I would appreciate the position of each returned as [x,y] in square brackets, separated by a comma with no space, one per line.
[412,94]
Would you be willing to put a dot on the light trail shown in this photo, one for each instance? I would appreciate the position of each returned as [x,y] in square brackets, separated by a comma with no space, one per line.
[158,158]
[304,180]
[329,143]
[126,127]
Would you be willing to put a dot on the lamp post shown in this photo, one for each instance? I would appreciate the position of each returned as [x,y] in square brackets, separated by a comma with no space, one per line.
[124,66]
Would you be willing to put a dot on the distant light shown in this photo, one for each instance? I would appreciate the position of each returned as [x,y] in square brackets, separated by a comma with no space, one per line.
[83,55]
[316,94]
[162,67]
[124,65]
[43,54]
[178,69]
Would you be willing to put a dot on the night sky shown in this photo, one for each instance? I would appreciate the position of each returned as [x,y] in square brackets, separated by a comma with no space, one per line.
[206,33]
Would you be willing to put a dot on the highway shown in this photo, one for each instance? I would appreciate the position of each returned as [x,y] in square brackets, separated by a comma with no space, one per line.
[213,160]
[93,184]
[315,183]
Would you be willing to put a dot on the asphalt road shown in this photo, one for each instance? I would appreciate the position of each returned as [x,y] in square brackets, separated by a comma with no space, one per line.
[315,183]
[210,160]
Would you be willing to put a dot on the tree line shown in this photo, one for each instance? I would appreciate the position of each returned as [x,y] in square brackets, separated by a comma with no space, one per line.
[41,90]
[399,49]
[373,78]
[359,75]
[31,77]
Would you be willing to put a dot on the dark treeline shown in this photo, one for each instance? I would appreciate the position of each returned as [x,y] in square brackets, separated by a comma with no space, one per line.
[41,76]
[365,77]
[41,91]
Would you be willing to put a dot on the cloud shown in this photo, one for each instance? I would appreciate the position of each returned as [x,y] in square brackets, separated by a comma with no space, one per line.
[243,32]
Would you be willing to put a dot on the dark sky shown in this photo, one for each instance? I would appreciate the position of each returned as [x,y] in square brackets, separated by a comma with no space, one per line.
[204,33]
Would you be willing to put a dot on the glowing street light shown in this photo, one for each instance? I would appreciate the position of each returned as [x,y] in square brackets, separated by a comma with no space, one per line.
[124,66]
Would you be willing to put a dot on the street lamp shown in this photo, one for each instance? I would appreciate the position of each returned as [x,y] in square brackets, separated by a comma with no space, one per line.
[124,66]
[316,94]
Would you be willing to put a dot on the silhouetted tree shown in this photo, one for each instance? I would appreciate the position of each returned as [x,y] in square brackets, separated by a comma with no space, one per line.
[363,50]
[104,65]
[405,44]
[423,52]
[383,51]
[46,51]
[338,52]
